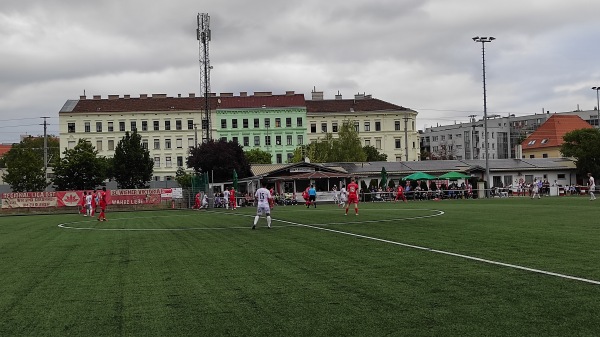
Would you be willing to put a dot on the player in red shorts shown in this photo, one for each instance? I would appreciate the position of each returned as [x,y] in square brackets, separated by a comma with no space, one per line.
[352,189]
[400,194]
[305,196]
[197,201]
[232,200]
[102,216]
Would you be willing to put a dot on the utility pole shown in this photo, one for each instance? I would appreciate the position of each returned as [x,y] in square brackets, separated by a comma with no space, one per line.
[472,117]
[45,148]
[204,36]
[195,135]
[406,136]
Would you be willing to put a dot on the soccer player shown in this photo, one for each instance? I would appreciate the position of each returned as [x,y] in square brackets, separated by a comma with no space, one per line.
[197,201]
[102,194]
[305,196]
[94,202]
[352,196]
[400,193]
[336,197]
[262,197]
[592,186]
[232,200]
[343,196]
[205,201]
[88,204]
[312,196]
[226,198]
[535,189]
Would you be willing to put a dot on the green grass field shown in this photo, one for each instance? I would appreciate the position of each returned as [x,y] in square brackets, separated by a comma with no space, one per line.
[315,273]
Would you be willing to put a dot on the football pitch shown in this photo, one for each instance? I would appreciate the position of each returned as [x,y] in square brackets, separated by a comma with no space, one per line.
[496,267]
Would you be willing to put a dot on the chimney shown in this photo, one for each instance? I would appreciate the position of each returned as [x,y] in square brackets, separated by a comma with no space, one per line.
[178,95]
[359,96]
[113,97]
[212,94]
[126,96]
[243,94]
[317,95]
[83,97]
[159,95]
[338,97]
[191,95]
[226,94]
[289,93]
[97,97]
[143,96]
[263,93]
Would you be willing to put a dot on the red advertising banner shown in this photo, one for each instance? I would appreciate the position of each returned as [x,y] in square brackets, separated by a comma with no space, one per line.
[77,198]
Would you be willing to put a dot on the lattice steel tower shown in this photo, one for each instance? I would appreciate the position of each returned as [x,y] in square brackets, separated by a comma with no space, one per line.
[203,36]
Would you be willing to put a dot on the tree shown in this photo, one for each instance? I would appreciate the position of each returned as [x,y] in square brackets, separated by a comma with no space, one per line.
[132,166]
[219,159]
[25,164]
[257,156]
[445,152]
[584,146]
[80,168]
[183,178]
[345,148]
[373,154]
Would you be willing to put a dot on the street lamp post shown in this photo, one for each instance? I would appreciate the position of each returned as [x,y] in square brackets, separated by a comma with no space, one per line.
[483,41]
[597,105]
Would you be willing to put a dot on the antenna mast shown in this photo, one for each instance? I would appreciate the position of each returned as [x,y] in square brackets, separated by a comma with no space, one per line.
[203,36]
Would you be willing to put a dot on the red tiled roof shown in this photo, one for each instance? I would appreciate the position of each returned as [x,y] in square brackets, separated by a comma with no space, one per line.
[186,103]
[4,148]
[350,105]
[551,133]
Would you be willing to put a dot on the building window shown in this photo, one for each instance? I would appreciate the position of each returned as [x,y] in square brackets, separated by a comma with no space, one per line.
[531,156]
[289,140]
[449,137]
[256,123]
[110,127]
[234,139]
[288,122]
[378,144]
[313,128]
[357,126]
[99,145]
[168,162]
[334,127]
[234,123]
[111,145]
[122,126]
[544,155]
[267,123]
[367,142]
[397,125]
[86,127]
[545,140]
[133,126]
[277,122]
[190,124]
[300,140]
[179,143]
[191,142]
[70,127]
[223,124]
[397,143]
[156,125]
[256,140]
[179,161]
[245,123]
[224,139]
[168,144]
[268,140]
[98,126]
[443,138]
[290,156]
[246,141]
[323,127]
[144,144]
[299,122]
[167,125]
[279,159]
[560,176]
[157,144]
[178,124]
[377,126]
[157,161]
[144,125]
[278,140]
[71,144]
[367,126]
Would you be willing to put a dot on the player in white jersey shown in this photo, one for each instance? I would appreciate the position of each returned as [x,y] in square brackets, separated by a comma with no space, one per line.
[226,197]
[592,186]
[262,197]
[88,204]
[343,196]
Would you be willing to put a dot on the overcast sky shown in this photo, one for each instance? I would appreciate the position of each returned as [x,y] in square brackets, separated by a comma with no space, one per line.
[414,53]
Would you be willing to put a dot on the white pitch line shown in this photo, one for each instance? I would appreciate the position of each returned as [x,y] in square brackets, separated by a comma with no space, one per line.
[539,271]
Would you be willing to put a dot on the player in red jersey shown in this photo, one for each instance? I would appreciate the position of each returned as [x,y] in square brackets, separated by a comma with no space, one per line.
[94,202]
[352,189]
[232,199]
[305,196]
[400,194]
[102,194]
[197,201]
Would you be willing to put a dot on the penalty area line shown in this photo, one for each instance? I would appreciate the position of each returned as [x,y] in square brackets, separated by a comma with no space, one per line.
[472,258]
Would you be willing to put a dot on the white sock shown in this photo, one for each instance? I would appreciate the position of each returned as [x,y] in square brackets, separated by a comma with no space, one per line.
[255,220]
[269,221]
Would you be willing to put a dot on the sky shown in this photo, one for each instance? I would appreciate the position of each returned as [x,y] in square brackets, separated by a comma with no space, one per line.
[415,53]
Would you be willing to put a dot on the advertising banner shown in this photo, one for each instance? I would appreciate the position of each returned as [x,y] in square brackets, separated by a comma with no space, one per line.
[29,199]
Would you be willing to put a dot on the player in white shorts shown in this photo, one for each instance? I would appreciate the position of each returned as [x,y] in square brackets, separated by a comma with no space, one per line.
[343,196]
[226,197]
[262,197]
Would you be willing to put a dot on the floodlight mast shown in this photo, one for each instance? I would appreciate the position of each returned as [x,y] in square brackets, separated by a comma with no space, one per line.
[204,36]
